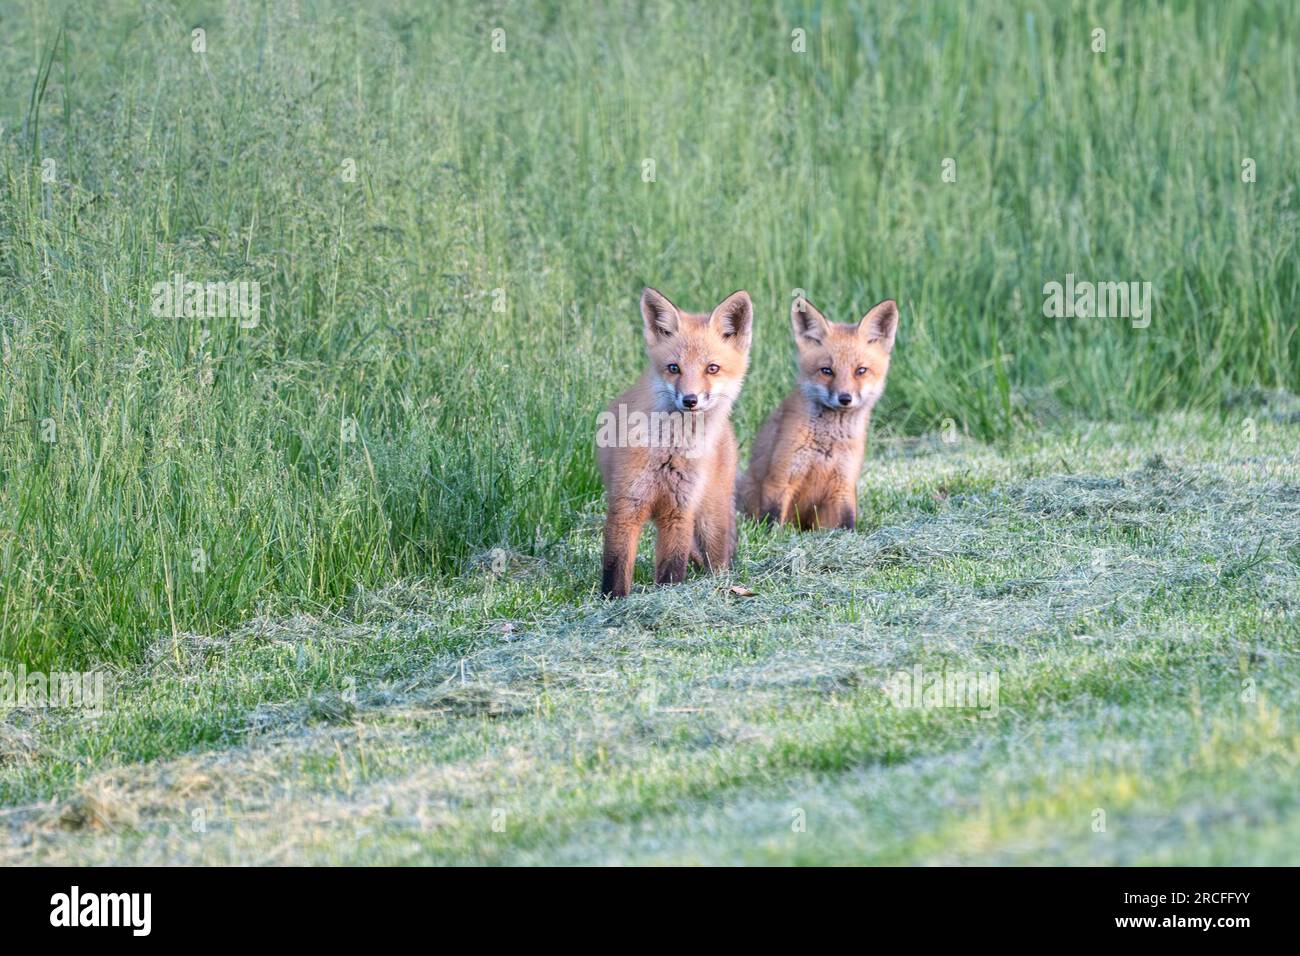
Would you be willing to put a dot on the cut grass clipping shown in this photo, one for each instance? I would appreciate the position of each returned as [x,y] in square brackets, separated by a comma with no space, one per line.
[1127,599]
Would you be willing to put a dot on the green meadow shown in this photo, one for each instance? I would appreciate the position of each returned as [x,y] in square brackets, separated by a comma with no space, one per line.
[338,556]
[1128,593]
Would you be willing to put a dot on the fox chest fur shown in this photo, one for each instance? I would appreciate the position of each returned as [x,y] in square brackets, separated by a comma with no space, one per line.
[684,455]
[825,447]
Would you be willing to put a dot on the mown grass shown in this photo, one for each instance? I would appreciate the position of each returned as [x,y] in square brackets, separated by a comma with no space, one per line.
[164,476]
[1139,609]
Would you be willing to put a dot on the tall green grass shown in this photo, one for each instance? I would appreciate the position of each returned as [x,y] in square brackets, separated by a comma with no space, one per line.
[465,306]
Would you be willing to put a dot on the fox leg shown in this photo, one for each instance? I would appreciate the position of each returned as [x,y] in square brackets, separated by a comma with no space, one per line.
[774,503]
[715,529]
[715,538]
[622,529]
[673,547]
[841,509]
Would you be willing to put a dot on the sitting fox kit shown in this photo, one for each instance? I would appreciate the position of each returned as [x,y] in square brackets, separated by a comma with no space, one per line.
[807,456]
[681,476]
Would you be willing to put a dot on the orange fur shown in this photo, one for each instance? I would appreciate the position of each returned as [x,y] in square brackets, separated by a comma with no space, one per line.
[686,486]
[807,456]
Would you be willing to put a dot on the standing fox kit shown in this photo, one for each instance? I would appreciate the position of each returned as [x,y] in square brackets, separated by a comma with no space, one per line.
[807,456]
[673,458]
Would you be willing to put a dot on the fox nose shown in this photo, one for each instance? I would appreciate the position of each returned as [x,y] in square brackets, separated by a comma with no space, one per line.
[690,401]
[846,398]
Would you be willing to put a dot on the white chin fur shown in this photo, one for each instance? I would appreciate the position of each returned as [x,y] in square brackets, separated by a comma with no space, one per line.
[831,400]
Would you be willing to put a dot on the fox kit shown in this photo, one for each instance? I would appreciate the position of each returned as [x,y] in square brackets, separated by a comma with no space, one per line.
[672,456]
[807,456]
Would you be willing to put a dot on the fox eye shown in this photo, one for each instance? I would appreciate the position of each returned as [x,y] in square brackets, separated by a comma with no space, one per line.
[862,370]
[674,368]
[827,371]
[713,368]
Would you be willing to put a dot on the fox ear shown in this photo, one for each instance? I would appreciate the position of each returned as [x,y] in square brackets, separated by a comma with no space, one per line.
[734,318]
[661,316]
[810,326]
[880,324]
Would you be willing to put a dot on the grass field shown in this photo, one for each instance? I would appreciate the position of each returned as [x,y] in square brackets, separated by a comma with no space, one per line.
[1133,588]
[341,560]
